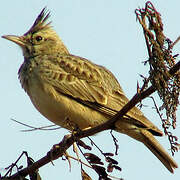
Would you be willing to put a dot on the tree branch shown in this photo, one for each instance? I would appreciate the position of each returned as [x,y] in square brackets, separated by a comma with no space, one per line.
[59,149]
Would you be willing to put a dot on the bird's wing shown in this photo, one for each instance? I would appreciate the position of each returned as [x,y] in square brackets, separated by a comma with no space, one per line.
[73,76]
[91,85]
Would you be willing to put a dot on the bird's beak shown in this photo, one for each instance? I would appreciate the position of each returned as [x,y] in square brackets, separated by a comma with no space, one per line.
[19,40]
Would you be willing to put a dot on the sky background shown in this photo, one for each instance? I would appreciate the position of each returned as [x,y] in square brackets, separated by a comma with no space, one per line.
[105,32]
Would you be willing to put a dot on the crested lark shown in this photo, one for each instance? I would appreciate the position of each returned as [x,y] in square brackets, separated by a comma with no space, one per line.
[74,92]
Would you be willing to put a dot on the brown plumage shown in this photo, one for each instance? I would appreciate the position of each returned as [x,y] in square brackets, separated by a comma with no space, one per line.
[72,91]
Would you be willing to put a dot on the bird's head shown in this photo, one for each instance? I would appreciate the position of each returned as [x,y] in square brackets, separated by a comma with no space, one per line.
[41,39]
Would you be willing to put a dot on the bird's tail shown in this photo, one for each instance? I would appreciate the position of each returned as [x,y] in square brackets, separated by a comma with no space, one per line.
[155,147]
[147,138]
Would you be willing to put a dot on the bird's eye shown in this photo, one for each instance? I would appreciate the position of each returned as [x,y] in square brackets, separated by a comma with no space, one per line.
[38,38]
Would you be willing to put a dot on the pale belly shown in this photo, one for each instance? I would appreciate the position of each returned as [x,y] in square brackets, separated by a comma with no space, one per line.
[62,110]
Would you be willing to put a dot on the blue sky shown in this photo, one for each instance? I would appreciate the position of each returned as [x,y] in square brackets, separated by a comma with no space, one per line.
[105,32]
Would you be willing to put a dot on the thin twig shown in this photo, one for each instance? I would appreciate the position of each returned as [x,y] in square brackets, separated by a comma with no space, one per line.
[36,128]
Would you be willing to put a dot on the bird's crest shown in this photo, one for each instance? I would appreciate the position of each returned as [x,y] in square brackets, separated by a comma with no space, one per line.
[40,22]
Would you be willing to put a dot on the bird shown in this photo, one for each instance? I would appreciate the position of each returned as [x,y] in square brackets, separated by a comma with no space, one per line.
[73,92]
